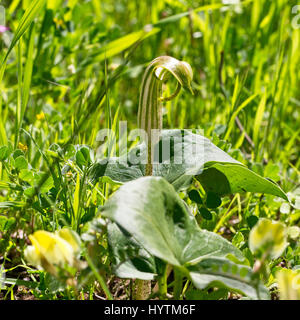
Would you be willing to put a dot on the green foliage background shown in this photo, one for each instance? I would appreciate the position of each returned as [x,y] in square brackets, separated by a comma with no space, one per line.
[71,68]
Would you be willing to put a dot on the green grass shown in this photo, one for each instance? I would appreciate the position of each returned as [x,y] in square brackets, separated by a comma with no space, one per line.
[75,67]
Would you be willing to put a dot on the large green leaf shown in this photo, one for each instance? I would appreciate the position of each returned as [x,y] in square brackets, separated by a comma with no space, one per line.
[215,169]
[150,210]
[225,178]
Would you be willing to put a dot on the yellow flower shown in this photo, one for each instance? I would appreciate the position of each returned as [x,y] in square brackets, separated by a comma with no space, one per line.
[268,236]
[40,116]
[59,22]
[71,237]
[289,284]
[50,250]
[22,146]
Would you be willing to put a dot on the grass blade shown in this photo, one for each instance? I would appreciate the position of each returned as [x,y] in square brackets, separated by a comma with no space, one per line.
[24,24]
[258,118]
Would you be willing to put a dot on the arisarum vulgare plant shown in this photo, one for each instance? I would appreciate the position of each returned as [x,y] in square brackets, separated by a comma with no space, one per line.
[150,227]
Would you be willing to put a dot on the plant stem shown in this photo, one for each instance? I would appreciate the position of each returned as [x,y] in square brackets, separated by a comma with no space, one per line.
[162,283]
[142,289]
[177,283]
